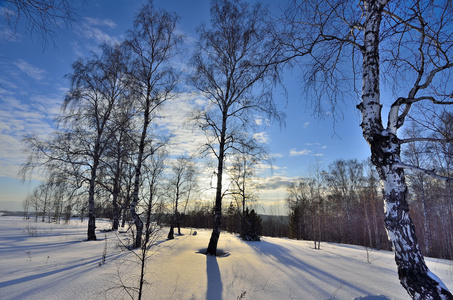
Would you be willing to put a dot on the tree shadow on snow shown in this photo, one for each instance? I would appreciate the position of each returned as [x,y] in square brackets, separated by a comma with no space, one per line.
[219,253]
[283,256]
[215,286]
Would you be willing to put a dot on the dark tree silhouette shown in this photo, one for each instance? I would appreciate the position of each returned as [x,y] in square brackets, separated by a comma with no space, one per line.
[152,44]
[235,70]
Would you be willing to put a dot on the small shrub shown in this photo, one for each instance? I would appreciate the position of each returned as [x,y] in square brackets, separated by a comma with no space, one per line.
[104,253]
[31,230]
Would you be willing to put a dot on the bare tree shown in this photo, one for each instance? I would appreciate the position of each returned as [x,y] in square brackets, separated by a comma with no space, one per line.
[180,185]
[155,170]
[305,202]
[345,180]
[117,159]
[41,17]
[241,172]
[86,125]
[371,203]
[417,155]
[243,187]
[154,167]
[234,70]
[411,41]
[152,43]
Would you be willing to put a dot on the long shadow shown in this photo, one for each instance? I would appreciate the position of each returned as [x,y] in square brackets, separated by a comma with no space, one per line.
[283,256]
[215,286]
[7,248]
[90,263]
[25,279]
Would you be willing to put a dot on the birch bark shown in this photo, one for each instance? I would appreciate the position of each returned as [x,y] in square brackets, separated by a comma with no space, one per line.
[413,273]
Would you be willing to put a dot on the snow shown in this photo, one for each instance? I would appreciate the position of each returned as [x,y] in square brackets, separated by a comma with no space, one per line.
[52,261]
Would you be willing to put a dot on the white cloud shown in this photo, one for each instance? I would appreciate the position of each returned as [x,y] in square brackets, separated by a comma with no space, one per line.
[76,48]
[49,105]
[7,35]
[186,139]
[259,121]
[100,22]
[294,152]
[261,137]
[274,183]
[11,155]
[30,70]
[201,102]
[306,124]
[17,119]
[89,29]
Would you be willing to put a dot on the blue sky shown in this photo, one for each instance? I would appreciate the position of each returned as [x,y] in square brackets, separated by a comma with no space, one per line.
[32,87]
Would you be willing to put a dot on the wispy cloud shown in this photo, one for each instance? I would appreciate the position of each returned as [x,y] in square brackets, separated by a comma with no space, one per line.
[7,84]
[49,105]
[32,71]
[76,48]
[90,29]
[261,137]
[7,35]
[275,183]
[100,22]
[186,139]
[259,121]
[306,124]
[294,152]
[17,119]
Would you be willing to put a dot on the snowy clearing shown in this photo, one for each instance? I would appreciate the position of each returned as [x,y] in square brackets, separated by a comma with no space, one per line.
[51,261]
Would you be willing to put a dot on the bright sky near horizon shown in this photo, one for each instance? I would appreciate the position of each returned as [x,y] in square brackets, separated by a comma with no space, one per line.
[32,88]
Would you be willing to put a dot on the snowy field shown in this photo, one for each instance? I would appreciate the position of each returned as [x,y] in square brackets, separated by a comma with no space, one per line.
[52,261]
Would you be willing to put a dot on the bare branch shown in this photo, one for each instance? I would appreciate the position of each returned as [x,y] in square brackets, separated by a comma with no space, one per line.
[431,173]
[425,139]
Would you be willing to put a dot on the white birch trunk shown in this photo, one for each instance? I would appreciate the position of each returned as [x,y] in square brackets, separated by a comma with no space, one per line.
[413,273]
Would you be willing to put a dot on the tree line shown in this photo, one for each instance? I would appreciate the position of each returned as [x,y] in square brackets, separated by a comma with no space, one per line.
[345,206]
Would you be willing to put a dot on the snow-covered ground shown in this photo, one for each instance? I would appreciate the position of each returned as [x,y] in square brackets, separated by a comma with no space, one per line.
[51,261]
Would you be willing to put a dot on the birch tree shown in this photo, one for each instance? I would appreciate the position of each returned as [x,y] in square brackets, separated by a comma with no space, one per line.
[406,45]
[41,17]
[76,149]
[234,70]
[181,183]
[152,43]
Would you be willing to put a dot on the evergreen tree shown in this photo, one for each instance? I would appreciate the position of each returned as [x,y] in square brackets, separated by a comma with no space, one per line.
[251,230]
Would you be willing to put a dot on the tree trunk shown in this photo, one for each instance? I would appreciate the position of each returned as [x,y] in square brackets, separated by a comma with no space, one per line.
[425,219]
[133,208]
[116,189]
[116,210]
[212,247]
[413,273]
[91,206]
[375,221]
[171,233]
[116,213]
[138,222]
